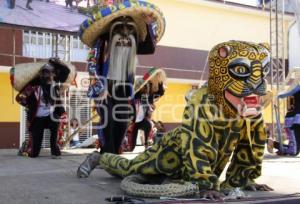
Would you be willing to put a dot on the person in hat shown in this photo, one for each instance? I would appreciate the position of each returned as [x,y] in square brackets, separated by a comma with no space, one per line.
[41,97]
[148,90]
[116,37]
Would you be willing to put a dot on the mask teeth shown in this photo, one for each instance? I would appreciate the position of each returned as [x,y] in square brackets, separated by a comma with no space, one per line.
[252,96]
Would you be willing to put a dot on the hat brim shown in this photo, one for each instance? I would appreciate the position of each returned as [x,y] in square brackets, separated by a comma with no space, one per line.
[99,23]
[151,76]
[23,74]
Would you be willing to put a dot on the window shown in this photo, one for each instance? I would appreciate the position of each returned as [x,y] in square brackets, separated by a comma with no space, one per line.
[75,43]
[40,40]
[34,44]
[42,45]
[26,39]
[81,45]
[79,51]
[33,39]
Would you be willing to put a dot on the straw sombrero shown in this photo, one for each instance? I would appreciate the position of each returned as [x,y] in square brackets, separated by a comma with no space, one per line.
[154,75]
[22,74]
[99,22]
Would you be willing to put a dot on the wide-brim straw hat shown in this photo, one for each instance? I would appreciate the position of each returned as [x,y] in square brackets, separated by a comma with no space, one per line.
[22,74]
[99,22]
[154,75]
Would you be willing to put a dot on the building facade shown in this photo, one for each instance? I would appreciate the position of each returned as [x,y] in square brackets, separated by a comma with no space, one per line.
[193,28]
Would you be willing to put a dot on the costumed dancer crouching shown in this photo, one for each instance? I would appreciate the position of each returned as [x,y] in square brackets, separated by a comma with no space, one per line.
[148,90]
[221,120]
[40,93]
[116,34]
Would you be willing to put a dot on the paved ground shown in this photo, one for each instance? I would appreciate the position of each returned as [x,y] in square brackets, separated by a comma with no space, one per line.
[44,180]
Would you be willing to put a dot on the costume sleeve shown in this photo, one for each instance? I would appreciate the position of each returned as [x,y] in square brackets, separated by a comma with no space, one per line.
[92,62]
[23,96]
[198,155]
[147,46]
[247,158]
[95,89]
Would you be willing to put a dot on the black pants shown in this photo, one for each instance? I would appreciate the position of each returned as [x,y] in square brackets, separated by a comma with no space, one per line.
[144,125]
[116,125]
[296,129]
[37,131]
[118,114]
[69,3]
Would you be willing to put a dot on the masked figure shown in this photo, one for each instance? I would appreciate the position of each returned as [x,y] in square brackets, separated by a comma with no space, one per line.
[40,94]
[116,34]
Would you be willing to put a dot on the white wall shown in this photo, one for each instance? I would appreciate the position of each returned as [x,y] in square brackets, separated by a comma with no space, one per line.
[294,46]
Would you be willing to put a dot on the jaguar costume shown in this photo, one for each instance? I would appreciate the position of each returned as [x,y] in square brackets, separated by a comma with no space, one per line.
[220,120]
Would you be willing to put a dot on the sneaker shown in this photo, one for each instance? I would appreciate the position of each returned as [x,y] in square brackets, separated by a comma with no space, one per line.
[56,157]
[88,165]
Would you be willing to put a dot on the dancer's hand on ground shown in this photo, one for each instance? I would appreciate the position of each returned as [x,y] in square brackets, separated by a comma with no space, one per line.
[212,195]
[258,187]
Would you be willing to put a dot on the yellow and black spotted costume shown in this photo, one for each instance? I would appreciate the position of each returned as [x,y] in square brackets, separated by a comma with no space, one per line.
[199,149]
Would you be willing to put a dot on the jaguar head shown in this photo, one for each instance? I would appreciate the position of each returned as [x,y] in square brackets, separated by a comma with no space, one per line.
[237,72]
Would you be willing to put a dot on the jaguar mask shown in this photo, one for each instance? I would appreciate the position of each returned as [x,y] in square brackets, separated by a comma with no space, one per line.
[237,77]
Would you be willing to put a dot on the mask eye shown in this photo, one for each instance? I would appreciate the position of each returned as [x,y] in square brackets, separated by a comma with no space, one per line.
[266,69]
[239,71]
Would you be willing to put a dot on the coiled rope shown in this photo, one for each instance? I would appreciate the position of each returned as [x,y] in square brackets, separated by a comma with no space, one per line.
[136,185]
